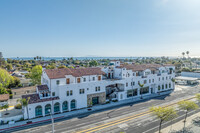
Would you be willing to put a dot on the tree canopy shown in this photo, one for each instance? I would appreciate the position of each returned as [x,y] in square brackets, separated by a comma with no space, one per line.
[61,66]
[187,105]
[36,74]
[5,78]
[9,67]
[93,63]
[164,114]
[51,66]
[198,97]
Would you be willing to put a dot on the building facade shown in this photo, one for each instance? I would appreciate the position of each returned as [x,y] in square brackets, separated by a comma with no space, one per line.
[68,89]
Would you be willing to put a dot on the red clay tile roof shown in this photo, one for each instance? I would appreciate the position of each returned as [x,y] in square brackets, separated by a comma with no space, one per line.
[168,65]
[42,87]
[77,72]
[34,98]
[4,97]
[142,67]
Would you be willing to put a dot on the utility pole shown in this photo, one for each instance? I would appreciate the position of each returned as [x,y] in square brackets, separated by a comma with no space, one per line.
[52,120]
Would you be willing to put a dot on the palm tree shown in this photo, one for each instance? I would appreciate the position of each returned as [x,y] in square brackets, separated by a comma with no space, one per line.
[24,103]
[141,85]
[183,53]
[187,52]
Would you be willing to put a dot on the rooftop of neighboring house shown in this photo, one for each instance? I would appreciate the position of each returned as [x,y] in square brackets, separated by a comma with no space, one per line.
[76,72]
[4,97]
[34,98]
[11,71]
[23,71]
[18,92]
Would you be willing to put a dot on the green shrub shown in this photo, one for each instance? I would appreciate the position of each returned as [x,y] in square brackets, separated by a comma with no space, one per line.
[107,102]
[4,107]
[21,119]
[11,96]
[20,85]
[18,106]
[115,100]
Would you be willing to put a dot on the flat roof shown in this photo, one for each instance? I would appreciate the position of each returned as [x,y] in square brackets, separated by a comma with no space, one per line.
[185,78]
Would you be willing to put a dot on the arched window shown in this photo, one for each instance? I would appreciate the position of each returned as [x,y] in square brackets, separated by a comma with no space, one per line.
[65,106]
[57,107]
[73,104]
[163,87]
[159,87]
[47,109]
[38,111]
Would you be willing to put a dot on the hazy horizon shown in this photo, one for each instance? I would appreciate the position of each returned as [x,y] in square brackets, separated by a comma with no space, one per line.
[102,56]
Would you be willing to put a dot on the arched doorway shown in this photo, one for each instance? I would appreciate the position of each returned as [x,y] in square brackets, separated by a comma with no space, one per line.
[38,111]
[47,108]
[65,106]
[57,107]
[73,104]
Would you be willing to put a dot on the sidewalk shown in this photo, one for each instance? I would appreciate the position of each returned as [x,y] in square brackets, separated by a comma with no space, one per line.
[192,125]
[81,111]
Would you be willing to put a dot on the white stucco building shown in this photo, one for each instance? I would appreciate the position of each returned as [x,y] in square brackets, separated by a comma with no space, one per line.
[70,89]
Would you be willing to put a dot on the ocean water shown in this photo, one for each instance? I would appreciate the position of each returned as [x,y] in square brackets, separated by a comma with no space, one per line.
[75,58]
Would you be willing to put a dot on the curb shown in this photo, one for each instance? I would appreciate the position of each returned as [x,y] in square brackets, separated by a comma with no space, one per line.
[31,123]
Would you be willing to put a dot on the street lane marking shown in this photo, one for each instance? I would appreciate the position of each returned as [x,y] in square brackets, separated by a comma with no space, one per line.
[167,122]
[115,122]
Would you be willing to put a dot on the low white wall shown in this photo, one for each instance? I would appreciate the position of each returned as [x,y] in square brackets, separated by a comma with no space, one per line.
[15,118]
[3,103]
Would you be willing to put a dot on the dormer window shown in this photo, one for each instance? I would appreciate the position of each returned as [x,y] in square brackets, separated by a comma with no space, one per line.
[68,81]
[137,74]
[153,72]
[84,79]
[57,82]
[99,78]
[78,80]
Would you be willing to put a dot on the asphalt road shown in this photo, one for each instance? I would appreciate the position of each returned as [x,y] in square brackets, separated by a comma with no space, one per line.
[153,126]
[92,119]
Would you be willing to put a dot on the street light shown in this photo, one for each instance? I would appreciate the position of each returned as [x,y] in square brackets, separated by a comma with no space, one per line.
[52,120]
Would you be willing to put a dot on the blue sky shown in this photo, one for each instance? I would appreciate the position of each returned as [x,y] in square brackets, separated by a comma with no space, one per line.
[99,27]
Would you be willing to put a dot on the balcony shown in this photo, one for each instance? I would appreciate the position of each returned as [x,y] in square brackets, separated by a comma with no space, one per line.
[159,74]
